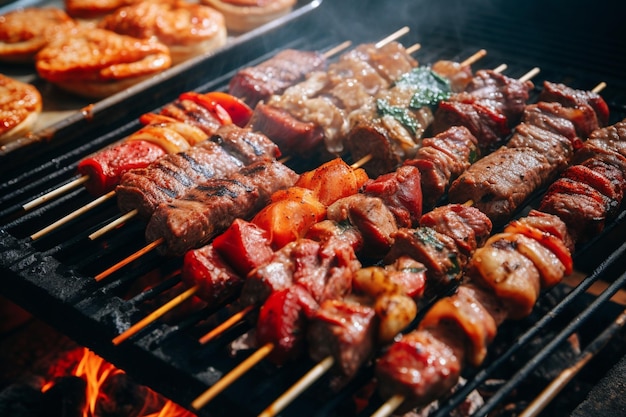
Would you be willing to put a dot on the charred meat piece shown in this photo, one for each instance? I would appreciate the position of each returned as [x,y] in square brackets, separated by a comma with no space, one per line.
[491,105]
[401,191]
[283,321]
[345,330]
[488,126]
[192,113]
[215,279]
[421,366]
[191,220]
[273,76]
[569,97]
[467,225]
[506,95]
[371,217]
[324,269]
[441,159]
[219,268]
[227,151]
[500,182]
[590,192]
[438,252]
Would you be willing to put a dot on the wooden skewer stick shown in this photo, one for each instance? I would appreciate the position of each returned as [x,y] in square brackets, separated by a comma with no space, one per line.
[232,376]
[115,223]
[296,389]
[557,385]
[389,406]
[335,50]
[227,324]
[55,193]
[135,328]
[72,215]
[149,247]
[413,48]
[477,56]
[397,34]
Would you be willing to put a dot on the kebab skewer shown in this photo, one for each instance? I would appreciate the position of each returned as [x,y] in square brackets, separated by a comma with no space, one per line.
[152,245]
[272,290]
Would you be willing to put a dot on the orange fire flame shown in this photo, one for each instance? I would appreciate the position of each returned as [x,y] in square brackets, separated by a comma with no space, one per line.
[95,371]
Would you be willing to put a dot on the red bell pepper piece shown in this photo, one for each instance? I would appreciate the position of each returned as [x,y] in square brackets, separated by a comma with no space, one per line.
[210,104]
[244,246]
[106,167]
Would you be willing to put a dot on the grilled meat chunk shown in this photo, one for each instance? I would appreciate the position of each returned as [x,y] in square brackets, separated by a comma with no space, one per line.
[273,76]
[401,191]
[468,226]
[371,217]
[324,269]
[193,219]
[228,150]
[441,159]
[344,329]
[500,182]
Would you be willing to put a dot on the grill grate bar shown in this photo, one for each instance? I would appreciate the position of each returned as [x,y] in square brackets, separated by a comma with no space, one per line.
[573,325]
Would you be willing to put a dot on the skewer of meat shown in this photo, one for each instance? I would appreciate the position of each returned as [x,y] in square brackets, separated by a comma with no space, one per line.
[333,342]
[513,293]
[530,248]
[152,245]
[285,293]
[541,146]
[392,128]
[247,244]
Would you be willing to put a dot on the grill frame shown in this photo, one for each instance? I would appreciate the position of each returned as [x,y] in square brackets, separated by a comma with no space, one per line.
[49,281]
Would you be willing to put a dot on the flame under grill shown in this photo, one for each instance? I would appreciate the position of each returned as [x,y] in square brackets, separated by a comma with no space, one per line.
[52,277]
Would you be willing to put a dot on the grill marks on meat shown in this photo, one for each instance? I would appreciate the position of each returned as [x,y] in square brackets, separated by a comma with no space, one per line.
[503,281]
[541,147]
[273,76]
[228,150]
[207,209]
[590,192]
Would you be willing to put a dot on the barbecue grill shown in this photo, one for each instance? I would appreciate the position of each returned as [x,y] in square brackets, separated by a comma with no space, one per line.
[52,277]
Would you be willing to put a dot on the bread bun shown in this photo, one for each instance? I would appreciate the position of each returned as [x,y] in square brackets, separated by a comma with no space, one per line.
[20,106]
[97,63]
[24,32]
[245,15]
[188,29]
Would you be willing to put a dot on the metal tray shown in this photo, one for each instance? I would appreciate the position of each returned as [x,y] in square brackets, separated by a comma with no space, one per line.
[62,111]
